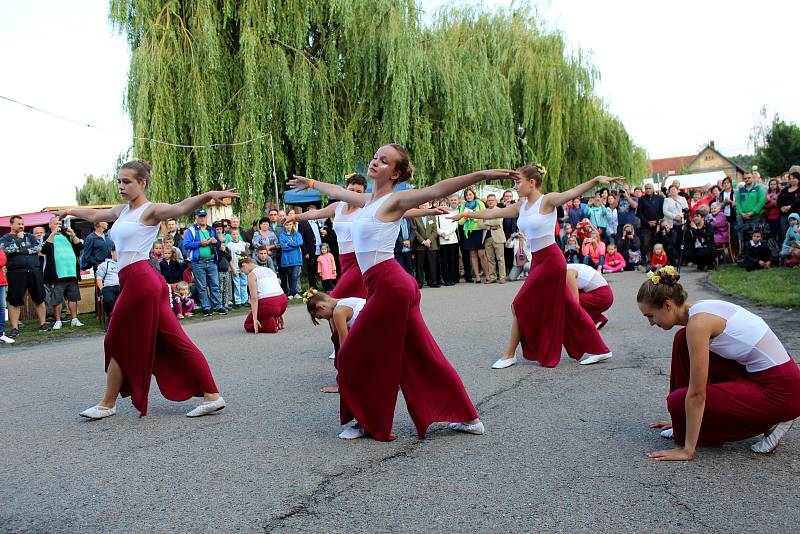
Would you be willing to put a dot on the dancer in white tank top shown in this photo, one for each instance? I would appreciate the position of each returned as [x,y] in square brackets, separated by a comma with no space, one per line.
[731,377]
[144,336]
[589,287]
[391,324]
[545,315]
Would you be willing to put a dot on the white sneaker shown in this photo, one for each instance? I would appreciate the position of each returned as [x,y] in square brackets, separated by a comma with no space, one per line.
[502,363]
[474,428]
[98,412]
[332,356]
[771,439]
[7,340]
[207,408]
[76,322]
[667,433]
[589,359]
[57,325]
[352,432]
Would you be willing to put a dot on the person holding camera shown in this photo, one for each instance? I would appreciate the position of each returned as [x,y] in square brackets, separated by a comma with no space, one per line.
[62,250]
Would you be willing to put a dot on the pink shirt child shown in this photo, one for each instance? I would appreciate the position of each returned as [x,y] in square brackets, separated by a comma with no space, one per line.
[326,266]
[594,252]
[614,263]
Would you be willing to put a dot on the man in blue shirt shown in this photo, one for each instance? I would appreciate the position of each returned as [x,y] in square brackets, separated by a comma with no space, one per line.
[202,246]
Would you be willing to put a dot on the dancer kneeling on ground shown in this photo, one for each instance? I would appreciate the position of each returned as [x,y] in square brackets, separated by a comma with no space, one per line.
[268,302]
[545,314]
[144,337]
[591,290]
[391,324]
[731,378]
[341,313]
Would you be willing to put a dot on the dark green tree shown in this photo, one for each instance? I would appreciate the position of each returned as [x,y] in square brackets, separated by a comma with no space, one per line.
[781,149]
[744,161]
[97,190]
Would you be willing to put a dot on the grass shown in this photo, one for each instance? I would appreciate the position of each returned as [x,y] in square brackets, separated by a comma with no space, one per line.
[778,287]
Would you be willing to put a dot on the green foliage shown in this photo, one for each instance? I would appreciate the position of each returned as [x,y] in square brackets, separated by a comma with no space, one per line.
[745,161]
[781,149]
[335,79]
[97,190]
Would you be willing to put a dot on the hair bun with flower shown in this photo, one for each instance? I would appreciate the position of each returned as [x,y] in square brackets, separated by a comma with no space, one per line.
[666,275]
[542,169]
[308,294]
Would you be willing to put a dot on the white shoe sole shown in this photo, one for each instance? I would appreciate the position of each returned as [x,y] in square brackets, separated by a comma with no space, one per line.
[207,408]
[770,441]
[332,356]
[668,433]
[477,428]
[96,413]
[503,363]
[352,433]
[589,359]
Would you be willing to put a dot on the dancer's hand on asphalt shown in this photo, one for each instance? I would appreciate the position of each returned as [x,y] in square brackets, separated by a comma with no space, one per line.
[661,425]
[256,325]
[298,182]
[678,454]
[228,193]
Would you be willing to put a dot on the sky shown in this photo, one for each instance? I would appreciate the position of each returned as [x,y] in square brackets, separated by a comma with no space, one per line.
[678,74]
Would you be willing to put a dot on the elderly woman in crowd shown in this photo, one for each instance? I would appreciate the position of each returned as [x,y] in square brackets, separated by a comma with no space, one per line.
[722,231]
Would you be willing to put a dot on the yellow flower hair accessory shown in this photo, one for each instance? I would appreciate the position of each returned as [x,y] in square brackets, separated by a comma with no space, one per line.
[348,176]
[542,170]
[308,294]
[668,270]
[654,277]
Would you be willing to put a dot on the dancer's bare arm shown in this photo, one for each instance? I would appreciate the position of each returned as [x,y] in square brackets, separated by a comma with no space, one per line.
[341,315]
[555,199]
[325,213]
[506,212]
[161,211]
[92,214]
[401,201]
[334,191]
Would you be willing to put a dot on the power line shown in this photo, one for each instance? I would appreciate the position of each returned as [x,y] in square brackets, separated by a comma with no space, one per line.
[137,137]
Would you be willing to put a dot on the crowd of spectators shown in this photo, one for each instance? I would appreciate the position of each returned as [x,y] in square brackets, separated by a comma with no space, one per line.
[611,230]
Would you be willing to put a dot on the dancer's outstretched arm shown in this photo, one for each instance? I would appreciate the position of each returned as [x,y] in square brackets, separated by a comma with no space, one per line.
[506,212]
[325,213]
[92,214]
[422,212]
[334,191]
[161,211]
[555,199]
[401,201]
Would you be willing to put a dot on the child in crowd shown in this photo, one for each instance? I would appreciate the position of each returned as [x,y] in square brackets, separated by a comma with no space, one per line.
[171,269]
[790,250]
[572,250]
[658,258]
[522,256]
[156,255]
[224,267]
[630,248]
[594,250]
[183,304]
[326,267]
[169,244]
[583,230]
[756,254]
[238,247]
[614,260]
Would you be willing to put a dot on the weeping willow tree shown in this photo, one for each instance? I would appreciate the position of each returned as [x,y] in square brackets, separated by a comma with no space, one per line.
[333,79]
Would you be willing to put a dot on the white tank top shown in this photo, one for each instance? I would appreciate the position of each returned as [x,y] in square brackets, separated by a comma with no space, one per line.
[267,283]
[539,230]
[373,239]
[132,239]
[746,339]
[589,278]
[343,226]
[356,304]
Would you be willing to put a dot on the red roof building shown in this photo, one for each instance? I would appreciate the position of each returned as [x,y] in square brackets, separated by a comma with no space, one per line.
[671,166]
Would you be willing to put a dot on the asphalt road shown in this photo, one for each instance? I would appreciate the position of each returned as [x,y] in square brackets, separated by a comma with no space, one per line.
[564,449]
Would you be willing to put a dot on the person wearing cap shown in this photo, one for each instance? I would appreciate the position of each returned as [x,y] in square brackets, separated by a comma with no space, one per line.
[789,198]
[202,247]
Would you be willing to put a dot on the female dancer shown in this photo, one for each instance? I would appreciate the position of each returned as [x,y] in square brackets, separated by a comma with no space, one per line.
[390,346]
[591,290]
[144,337]
[268,302]
[565,323]
[731,378]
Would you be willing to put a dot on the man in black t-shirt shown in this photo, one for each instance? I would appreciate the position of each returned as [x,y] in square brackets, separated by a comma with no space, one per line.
[24,273]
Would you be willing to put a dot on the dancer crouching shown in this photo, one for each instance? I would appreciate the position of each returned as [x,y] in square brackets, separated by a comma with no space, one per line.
[545,314]
[390,346]
[731,378]
[268,302]
[144,337]
[591,290]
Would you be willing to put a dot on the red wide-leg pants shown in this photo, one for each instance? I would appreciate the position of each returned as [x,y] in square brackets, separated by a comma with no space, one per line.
[146,339]
[549,316]
[596,302]
[739,405]
[391,348]
[269,309]
[350,283]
